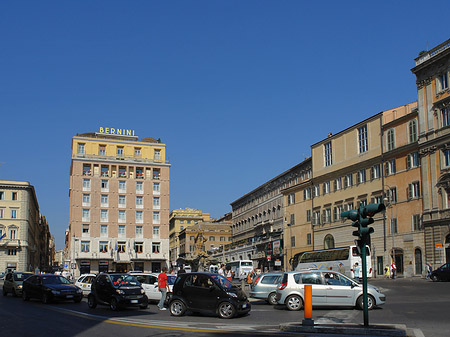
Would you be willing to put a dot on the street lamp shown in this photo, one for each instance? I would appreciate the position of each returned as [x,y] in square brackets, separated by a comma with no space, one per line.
[290,239]
[389,200]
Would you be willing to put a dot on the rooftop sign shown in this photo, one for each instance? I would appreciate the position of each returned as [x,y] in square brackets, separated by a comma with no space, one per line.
[117,132]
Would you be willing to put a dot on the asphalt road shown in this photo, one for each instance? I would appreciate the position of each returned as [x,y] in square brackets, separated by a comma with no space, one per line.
[416,303]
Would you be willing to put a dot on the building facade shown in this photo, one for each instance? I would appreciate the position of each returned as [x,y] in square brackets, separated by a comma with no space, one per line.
[258,220]
[433,96]
[119,203]
[180,219]
[24,231]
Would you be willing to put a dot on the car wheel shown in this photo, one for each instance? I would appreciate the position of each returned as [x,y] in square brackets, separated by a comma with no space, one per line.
[45,298]
[92,303]
[370,302]
[25,295]
[177,308]
[113,305]
[226,310]
[294,303]
[272,299]
[434,278]
[5,293]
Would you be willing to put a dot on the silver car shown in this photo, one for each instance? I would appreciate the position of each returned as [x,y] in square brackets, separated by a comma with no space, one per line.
[329,288]
[265,286]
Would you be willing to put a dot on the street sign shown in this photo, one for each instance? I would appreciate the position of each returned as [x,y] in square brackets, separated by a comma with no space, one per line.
[269,257]
[438,245]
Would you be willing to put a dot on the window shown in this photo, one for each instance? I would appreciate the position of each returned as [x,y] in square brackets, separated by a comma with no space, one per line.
[122,216]
[138,247]
[349,206]
[120,151]
[222,238]
[390,167]
[85,246]
[212,238]
[14,196]
[377,199]
[375,172]
[445,118]
[104,185]
[337,213]
[156,247]
[327,215]
[156,174]
[361,176]
[104,200]
[86,184]
[316,190]
[1,214]
[139,231]
[316,218]
[292,241]
[139,216]
[103,230]
[416,222]
[348,180]
[137,151]
[308,239]
[157,154]
[86,199]
[447,158]
[85,215]
[122,186]
[121,247]
[1,195]
[328,153]
[362,202]
[139,187]
[394,227]
[104,215]
[328,242]
[122,201]
[412,160]
[139,202]
[12,233]
[121,230]
[307,193]
[104,171]
[362,139]
[12,251]
[102,150]
[338,184]
[80,148]
[292,220]
[156,188]
[414,190]
[156,202]
[14,214]
[442,82]
[308,215]
[85,228]
[412,128]
[291,199]
[103,247]
[326,187]
[390,139]
[392,195]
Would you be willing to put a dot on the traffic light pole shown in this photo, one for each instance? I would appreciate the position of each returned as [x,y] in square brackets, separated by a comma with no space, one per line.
[364,277]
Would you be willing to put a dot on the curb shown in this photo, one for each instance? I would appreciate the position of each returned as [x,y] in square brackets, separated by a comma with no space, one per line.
[395,330]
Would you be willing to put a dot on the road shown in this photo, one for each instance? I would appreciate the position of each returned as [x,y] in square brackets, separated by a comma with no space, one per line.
[416,303]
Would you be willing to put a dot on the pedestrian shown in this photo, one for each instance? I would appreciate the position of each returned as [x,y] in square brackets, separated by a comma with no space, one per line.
[222,270]
[229,274]
[387,272]
[341,268]
[356,270]
[163,286]
[181,271]
[429,269]
[394,270]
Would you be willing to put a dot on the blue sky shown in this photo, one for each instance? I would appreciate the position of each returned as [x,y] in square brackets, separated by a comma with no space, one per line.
[238,90]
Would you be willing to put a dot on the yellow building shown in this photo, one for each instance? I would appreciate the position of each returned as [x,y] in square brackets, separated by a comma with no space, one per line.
[119,203]
[180,219]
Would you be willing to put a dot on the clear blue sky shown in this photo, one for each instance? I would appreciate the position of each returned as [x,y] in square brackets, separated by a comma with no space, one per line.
[238,90]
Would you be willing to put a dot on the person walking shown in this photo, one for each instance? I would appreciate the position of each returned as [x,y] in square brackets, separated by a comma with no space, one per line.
[429,269]
[163,286]
[222,270]
[387,272]
[229,274]
[394,270]
[356,270]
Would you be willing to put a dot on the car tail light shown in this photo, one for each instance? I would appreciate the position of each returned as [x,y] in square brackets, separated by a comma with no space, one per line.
[282,286]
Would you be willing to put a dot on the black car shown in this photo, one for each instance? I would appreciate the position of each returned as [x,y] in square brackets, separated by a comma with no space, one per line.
[48,287]
[117,290]
[206,292]
[442,273]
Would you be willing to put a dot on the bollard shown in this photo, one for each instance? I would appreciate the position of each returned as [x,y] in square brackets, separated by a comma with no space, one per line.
[307,306]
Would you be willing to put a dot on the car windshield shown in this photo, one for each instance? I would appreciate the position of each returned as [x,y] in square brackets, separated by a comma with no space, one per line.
[54,280]
[227,285]
[171,279]
[124,280]
[21,276]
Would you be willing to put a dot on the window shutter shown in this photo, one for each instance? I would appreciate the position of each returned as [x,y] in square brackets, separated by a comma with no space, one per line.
[393,166]
[409,191]
[408,161]
[386,169]
[335,184]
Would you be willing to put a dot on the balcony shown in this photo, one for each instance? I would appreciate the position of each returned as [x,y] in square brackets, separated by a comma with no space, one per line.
[87,173]
[156,177]
[139,175]
[123,158]
[105,174]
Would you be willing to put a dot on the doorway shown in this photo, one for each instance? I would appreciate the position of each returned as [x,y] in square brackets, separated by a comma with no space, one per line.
[418,261]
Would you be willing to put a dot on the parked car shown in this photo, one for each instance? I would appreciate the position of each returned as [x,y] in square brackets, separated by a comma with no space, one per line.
[329,288]
[149,281]
[265,286]
[442,273]
[13,283]
[85,282]
[2,275]
[117,290]
[49,287]
[207,292]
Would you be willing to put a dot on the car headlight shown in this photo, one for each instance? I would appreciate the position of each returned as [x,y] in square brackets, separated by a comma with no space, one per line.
[232,294]
[120,292]
[56,292]
[19,286]
[142,291]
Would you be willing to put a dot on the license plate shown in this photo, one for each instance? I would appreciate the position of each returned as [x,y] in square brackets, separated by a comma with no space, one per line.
[244,306]
[134,301]
[69,296]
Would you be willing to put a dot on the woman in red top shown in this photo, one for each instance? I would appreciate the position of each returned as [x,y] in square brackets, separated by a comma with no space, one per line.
[163,286]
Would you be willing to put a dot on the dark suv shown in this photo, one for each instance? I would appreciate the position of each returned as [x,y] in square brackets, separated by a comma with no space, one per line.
[205,292]
[117,290]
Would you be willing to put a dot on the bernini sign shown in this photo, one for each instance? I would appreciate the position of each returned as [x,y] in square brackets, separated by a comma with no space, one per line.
[118,132]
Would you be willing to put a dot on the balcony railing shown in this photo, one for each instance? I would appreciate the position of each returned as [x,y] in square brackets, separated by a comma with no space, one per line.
[121,157]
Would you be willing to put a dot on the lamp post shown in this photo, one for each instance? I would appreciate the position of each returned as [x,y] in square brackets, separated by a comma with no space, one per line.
[290,239]
[389,200]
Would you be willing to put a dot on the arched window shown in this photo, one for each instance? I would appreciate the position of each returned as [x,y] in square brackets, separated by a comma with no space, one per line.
[412,128]
[328,242]
[390,139]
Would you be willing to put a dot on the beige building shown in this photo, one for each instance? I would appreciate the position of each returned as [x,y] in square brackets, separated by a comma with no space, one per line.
[180,219]
[25,233]
[433,95]
[119,203]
